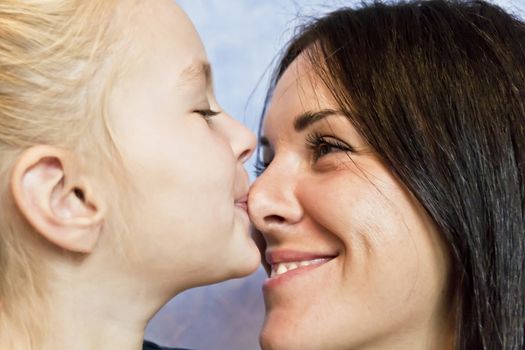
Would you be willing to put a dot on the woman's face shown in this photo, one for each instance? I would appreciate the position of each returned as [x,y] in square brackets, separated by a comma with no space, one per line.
[354,260]
[189,225]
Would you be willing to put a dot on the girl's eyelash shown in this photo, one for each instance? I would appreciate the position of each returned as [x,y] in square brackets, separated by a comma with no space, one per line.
[322,145]
[207,114]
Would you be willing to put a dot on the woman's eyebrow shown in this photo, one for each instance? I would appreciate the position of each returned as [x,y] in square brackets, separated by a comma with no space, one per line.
[308,118]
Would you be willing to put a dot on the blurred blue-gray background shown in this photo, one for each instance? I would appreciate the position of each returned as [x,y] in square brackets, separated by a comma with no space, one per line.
[242,38]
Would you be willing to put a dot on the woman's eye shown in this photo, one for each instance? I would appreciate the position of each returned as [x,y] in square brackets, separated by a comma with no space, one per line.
[207,114]
[324,148]
[260,166]
[324,145]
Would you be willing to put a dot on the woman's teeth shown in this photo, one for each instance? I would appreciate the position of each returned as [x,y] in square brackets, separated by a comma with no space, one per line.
[281,268]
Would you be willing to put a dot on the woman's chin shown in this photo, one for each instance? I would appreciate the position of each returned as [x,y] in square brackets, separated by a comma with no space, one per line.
[271,338]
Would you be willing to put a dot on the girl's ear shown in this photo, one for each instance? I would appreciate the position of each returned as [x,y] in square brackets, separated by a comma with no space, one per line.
[56,199]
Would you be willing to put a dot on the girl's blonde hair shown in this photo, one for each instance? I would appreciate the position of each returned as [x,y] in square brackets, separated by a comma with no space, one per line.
[56,68]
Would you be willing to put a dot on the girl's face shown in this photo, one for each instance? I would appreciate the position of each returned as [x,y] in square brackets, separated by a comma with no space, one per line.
[184,155]
[354,260]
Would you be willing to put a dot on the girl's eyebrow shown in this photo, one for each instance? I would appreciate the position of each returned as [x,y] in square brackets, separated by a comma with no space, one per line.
[196,70]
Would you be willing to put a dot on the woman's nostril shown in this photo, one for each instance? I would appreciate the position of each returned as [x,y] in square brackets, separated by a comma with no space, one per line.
[274,219]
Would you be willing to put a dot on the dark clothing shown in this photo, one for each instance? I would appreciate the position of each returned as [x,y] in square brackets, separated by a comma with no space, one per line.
[152,346]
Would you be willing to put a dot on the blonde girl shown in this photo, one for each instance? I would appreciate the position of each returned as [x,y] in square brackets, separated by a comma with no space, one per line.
[121,179]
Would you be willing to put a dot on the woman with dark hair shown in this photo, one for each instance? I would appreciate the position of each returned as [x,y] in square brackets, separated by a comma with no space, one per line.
[390,202]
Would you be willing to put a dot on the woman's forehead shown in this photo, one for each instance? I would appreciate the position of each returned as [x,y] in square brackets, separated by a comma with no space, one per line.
[298,90]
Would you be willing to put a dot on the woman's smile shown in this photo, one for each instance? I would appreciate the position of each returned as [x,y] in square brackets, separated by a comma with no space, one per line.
[287,265]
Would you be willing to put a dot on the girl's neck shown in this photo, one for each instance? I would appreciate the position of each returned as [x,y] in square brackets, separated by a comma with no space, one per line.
[83,314]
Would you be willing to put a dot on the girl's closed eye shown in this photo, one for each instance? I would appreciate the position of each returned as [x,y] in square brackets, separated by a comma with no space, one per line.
[322,145]
[207,113]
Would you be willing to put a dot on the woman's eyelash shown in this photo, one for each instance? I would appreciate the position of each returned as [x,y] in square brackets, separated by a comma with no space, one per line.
[322,145]
[207,114]
[260,166]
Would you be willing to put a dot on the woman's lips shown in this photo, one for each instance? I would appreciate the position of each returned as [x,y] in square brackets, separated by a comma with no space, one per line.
[282,268]
[286,264]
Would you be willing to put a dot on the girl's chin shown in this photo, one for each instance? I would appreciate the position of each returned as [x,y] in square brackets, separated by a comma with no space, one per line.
[248,264]
[243,264]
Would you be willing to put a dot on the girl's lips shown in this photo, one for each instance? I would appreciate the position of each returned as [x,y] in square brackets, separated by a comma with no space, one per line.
[243,206]
[242,202]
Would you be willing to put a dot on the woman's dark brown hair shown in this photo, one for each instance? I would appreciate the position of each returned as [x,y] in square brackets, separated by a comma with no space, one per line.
[437,88]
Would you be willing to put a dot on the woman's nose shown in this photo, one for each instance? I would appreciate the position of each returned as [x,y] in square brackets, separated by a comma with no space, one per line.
[272,203]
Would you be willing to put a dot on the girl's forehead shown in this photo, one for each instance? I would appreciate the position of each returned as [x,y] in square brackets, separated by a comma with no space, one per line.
[162,47]
[161,32]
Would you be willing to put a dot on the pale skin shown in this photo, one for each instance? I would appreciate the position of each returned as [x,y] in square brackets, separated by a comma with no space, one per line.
[371,270]
[187,225]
